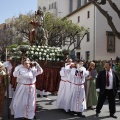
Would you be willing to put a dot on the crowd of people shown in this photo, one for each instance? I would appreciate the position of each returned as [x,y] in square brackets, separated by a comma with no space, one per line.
[81,87]
[84,88]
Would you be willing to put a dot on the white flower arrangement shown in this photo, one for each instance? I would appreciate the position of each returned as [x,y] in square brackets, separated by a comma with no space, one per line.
[40,58]
[37,49]
[36,53]
[32,48]
[42,53]
[41,49]
[32,52]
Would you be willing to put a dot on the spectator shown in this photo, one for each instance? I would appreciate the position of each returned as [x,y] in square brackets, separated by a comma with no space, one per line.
[107,84]
[91,94]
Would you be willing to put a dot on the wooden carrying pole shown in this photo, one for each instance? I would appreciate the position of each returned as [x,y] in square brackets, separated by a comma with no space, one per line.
[7,84]
[6,54]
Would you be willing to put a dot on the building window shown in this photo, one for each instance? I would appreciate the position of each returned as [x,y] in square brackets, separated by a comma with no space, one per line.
[50,6]
[85,1]
[78,42]
[79,3]
[78,19]
[55,5]
[87,55]
[78,55]
[88,14]
[88,36]
[71,6]
[72,55]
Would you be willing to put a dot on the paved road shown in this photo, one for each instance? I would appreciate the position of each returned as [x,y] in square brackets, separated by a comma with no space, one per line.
[46,110]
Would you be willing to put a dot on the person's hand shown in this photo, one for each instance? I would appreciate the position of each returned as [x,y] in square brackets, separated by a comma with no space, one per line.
[32,64]
[6,70]
[73,66]
[98,90]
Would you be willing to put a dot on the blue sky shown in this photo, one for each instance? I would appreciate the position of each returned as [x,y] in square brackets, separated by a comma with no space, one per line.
[10,8]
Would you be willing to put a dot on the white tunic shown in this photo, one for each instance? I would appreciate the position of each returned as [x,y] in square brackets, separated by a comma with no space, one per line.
[78,101]
[62,92]
[9,66]
[17,68]
[23,102]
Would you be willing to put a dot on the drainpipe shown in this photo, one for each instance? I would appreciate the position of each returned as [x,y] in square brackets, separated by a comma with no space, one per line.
[94,41]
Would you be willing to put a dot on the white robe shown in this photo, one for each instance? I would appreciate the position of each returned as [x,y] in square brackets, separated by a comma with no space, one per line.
[24,100]
[62,92]
[78,101]
[16,69]
[9,66]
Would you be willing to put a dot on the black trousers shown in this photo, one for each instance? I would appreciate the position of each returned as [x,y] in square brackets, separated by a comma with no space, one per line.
[111,101]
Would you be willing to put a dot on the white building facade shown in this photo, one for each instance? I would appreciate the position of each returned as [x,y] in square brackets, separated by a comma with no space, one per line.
[61,8]
[100,44]
[95,45]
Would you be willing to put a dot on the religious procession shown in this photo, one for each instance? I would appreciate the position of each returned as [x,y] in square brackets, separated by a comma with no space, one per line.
[34,70]
[80,87]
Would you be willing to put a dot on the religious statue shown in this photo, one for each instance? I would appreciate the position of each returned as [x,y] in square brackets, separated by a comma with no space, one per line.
[39,16]
[32,32]
[38,35]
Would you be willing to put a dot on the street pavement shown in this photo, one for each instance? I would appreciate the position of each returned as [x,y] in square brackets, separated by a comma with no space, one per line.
[46,110]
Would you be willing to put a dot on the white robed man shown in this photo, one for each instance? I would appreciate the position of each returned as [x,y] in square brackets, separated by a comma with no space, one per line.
[23,104]
[7,64]
[78,101]
[63,88]
[20,65]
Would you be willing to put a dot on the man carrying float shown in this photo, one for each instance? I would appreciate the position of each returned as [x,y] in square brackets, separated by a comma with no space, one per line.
[78,101]
[2,89]
[64,87]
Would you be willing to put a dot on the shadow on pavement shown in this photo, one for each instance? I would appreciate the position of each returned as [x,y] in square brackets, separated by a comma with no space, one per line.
[59,114]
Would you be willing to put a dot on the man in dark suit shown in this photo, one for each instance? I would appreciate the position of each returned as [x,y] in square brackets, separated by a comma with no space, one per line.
[107,84]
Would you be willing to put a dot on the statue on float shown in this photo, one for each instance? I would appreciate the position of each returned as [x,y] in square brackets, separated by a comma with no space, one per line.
[38,35]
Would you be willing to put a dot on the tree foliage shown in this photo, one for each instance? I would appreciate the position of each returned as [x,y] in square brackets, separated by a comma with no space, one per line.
[60,31]
[22,25]
[6,37]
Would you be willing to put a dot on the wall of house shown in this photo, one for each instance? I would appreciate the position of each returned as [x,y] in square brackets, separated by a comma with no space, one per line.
[86,23]
[101,38]
[63,6]
[97,25]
